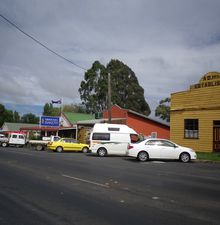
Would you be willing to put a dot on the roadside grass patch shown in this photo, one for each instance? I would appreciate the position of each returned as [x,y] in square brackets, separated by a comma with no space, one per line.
[213,156]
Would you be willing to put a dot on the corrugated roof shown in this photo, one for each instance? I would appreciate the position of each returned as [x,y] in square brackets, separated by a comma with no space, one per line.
[75,117]
[7,126]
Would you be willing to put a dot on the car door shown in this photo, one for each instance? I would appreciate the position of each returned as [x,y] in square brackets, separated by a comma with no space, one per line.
[167,150]
[17,139]
[13,139]
[75,145]
[66,144]
[153,149]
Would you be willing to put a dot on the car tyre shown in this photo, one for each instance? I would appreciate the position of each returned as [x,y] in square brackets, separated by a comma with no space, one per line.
[142,156]
[85,149]
[185,157]
[59,149]
[39,147]
[102,152]
[4,144]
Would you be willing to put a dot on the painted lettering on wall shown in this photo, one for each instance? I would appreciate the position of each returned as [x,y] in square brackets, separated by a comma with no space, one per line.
[209,80]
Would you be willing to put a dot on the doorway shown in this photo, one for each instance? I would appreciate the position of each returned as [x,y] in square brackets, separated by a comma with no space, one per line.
[216,136]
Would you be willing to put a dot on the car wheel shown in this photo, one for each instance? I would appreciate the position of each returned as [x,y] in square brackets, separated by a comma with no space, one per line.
[184,157]
[4,144]
[59,149]
[143,156]
[102,152]
[39,147]
[85,149]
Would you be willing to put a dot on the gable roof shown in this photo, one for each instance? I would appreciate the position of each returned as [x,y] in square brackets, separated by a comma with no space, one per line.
[164,123]
[73,118]
[7,126]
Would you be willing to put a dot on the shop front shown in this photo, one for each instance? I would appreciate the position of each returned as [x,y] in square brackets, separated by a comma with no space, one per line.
[195,115]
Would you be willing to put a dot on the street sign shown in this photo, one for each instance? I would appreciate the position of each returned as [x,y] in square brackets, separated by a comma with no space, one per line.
[50,121]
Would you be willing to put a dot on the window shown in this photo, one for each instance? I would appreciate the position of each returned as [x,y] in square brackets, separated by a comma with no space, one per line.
[151,142]
[113,129]
[101,136]
[21,137]
[191,128]
[166,144]
[134,138]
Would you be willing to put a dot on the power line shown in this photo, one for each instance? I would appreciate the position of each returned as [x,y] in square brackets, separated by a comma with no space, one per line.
[34,39]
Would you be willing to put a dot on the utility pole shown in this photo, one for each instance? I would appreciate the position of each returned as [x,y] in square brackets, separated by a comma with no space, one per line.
[109,99]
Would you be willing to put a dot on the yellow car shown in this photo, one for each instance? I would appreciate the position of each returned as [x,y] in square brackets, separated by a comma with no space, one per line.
[67,144]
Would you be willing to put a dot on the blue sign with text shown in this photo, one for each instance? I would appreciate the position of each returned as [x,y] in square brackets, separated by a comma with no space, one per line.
[50,121]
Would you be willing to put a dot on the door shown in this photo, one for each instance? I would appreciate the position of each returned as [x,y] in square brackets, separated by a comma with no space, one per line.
[153,148]
[216,136]
[17,139]
[167,150]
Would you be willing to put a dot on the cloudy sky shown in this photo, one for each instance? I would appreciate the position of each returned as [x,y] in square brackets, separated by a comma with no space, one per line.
[169,44]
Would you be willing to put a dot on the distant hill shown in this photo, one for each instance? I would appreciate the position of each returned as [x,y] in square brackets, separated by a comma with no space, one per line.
[24,109]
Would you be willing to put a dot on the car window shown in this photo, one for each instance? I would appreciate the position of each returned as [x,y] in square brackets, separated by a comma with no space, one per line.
[166,143]
[56,138]
[152,142]
[101,136]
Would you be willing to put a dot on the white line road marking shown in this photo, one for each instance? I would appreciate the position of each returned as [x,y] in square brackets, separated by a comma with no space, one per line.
[86,181]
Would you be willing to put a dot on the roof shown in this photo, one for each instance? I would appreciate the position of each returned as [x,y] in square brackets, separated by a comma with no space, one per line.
[156,120]
[73,118]
[7,126]
[94,121]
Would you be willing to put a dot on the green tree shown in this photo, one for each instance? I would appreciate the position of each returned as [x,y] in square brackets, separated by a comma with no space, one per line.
[93,89]
[77,108]
[16,117]
[49,110]
[126,91]
[7,115]
[163,109]
[29,118]
[2,114]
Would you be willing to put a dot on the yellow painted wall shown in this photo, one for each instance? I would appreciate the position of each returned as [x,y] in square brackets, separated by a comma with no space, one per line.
[202,104]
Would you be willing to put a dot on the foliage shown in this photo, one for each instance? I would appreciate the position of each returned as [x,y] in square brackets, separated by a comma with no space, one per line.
[126,91]
[93,90]
[49,110]
[8,115]
[163,109]
[29,118]
[77,108]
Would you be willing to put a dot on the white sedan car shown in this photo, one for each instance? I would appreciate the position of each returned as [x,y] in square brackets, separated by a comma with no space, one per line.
[154,148]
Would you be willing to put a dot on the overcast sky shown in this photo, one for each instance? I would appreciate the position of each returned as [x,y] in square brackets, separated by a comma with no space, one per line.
[169,44]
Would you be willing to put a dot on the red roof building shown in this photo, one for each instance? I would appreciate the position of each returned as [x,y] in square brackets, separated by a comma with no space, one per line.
[140,123]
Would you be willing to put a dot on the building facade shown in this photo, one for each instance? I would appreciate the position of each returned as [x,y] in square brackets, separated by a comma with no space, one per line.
[140,123]
[195,115]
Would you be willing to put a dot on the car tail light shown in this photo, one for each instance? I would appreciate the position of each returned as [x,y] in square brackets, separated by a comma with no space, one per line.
[50,143]
[130,146]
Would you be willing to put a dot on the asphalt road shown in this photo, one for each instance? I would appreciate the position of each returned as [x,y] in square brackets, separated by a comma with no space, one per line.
[47,188]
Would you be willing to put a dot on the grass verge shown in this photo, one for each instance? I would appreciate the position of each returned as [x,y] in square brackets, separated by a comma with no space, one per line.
[212,156]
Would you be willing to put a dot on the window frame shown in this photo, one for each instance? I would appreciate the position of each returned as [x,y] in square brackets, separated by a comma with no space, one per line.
[104,136]
[191,128]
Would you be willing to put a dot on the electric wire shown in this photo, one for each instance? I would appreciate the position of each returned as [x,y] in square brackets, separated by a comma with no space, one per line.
[41,44]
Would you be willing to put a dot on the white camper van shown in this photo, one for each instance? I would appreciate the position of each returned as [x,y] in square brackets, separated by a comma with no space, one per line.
[111,139]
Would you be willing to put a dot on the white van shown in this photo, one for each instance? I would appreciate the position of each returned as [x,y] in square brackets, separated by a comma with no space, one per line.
[111,139]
